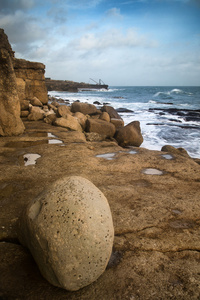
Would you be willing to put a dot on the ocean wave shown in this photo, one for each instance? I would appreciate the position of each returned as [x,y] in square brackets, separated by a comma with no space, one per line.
[176,91]
[169,94]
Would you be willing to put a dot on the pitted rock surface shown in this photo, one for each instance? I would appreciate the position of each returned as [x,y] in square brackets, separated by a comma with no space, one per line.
[69,230]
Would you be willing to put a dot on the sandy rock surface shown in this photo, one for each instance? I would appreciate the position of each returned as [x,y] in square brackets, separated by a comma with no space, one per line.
[156,253]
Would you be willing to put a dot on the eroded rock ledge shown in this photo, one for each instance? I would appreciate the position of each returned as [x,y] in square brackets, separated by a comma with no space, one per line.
[156,217]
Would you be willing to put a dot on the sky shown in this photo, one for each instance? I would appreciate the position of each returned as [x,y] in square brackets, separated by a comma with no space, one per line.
[124,42]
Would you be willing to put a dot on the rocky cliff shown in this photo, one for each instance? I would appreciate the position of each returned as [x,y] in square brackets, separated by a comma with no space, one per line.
[10,122]
[19,80]
[30,80]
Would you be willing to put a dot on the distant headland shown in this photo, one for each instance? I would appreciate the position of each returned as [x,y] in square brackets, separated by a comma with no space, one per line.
[72,86]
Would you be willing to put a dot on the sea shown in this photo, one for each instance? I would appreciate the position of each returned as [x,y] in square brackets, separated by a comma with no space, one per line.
[167,115]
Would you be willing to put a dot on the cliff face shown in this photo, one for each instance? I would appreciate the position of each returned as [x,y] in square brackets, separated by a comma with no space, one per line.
[10,122]
[30,80]
[19,80]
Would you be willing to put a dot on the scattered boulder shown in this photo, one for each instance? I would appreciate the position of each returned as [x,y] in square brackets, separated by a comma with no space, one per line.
[105,116]
[68,229]
[84,108]
[111,111]
[10,121]
[36,114]
[36,102]
[129,135]
[63,111]
[69,122]
[101,127]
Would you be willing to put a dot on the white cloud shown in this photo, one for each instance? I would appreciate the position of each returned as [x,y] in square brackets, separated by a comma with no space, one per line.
[111,38]
[114,13]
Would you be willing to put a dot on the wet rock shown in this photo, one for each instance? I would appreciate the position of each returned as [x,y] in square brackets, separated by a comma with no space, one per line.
[124,110]
[84,108]
[68,122]
[101,127]
[129,135]
[68,229]
[96,103]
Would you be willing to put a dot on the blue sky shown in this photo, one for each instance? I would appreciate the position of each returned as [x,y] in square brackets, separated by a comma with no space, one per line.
[124,42]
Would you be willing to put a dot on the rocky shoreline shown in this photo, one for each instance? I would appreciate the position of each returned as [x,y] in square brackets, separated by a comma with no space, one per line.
[153,195]
[156,217]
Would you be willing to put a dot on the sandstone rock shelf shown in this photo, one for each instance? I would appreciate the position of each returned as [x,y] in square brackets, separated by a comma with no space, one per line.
[156,252]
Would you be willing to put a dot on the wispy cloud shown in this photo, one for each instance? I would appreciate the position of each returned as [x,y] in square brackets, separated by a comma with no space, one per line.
[114,13]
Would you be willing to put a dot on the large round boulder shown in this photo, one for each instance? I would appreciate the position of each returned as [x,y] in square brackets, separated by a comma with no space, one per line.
[129,135]
[68,229]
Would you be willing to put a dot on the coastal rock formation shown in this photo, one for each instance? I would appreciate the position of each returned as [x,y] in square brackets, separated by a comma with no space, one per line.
[10,122]
[129,135]
[30,80]
[68,229]
[156,217]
